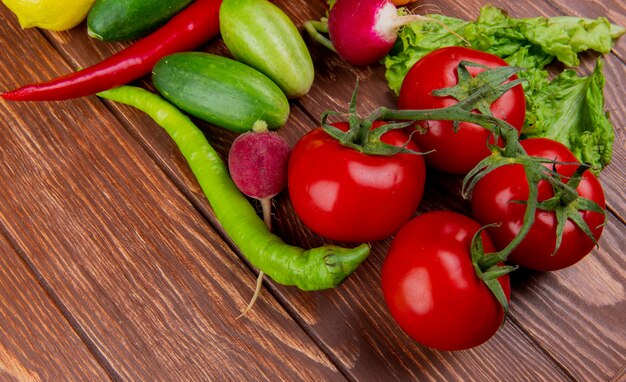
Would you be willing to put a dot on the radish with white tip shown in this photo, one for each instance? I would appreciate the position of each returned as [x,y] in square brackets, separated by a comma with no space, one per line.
[362,32]
[257,162]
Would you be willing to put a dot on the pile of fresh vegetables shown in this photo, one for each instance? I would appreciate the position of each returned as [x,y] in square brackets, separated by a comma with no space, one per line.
[488,112]
[227,93]
[534,204]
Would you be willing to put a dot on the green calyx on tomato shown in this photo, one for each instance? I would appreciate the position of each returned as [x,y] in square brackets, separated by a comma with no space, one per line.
[345,195]
[473,93]
[445,77]
[482,90]
[479,93]
[489,275]
[360,135]
[549,207]
[567,205]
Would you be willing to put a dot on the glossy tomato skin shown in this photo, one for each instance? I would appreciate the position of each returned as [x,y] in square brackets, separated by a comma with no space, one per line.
[494,201]
[345,195]
[431,288]
[455,152]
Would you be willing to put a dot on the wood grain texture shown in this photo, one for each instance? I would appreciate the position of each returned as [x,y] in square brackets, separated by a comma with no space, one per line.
[558,330]
[610,344]
[298,123]
[150,285]
[577,313]
[372,360]
[37,343]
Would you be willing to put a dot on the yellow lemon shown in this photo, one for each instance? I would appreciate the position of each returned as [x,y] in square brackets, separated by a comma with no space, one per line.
[56,15]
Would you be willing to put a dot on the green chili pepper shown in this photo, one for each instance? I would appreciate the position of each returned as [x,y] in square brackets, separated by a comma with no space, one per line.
[314,269]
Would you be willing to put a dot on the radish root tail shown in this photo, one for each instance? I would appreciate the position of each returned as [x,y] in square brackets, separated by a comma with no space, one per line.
[266,207]
[255,296]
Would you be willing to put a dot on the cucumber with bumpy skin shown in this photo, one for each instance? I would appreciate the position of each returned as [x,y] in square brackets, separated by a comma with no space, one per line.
[119,20]
[220,90]
[261,35]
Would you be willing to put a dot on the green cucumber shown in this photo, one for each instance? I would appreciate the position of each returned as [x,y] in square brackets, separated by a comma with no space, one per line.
[118,20]
[220,90]
[261,35]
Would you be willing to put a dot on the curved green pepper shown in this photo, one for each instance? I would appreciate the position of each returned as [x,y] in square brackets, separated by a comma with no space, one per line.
[314,269]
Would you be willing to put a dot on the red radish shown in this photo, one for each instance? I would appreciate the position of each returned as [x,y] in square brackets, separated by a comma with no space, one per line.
[364,31]
[257,162]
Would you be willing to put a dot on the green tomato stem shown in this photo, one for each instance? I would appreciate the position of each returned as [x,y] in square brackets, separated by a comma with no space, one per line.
[491,259]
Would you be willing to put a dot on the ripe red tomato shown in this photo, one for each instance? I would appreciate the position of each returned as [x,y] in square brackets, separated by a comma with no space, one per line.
[495,200]
[345,195]
[455,152]
[430,285]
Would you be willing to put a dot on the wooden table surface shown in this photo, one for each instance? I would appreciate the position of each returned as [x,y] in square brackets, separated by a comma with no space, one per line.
[112,264]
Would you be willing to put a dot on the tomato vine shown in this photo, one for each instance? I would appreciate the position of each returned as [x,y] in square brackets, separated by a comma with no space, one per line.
[475,94]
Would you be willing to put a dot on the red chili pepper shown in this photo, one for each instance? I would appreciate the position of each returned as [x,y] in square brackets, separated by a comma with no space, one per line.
[192,27]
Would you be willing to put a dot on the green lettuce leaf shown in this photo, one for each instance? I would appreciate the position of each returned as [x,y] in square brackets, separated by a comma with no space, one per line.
[569,108]
[417,40]
[539,40]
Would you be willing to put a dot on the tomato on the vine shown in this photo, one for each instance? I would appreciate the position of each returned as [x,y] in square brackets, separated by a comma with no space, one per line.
[500,198]
[459,151]
[431,287]
[346,195]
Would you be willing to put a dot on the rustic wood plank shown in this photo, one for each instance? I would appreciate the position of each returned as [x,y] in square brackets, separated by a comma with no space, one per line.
[36,341]
[351,322]
[371,357]
[578,313]
[154,290]
[350,328]
[342,103]
[611,343]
